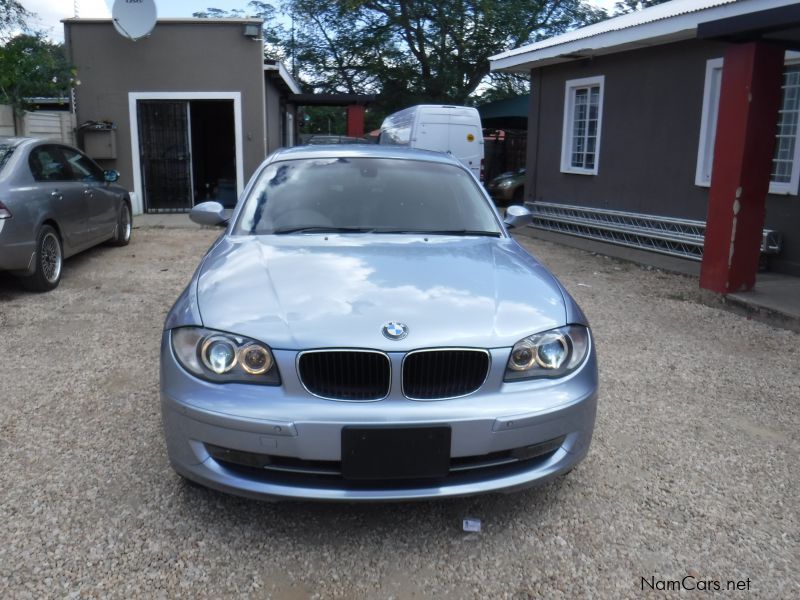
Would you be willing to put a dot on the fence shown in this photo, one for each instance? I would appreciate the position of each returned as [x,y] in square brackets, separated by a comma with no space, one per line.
[55,125]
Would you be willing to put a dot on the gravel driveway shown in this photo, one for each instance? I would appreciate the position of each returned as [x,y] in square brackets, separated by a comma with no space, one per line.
[693,469]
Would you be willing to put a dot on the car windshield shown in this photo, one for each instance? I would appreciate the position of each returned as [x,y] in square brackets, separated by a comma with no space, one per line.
[366,195]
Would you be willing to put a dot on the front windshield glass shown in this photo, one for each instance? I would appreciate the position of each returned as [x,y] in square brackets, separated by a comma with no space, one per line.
[365,195]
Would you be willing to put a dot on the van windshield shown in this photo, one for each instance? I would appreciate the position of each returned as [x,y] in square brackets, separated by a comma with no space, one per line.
[366,195]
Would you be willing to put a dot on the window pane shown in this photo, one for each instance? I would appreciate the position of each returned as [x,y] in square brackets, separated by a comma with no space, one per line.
[786,137]
[47,164]
[83,169]
[585,115]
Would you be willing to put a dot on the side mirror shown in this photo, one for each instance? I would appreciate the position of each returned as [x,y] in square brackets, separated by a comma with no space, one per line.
[517,216]
[111,176]
[209,213]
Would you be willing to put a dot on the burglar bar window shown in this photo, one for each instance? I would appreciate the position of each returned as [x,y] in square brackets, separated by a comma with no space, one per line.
[785,174]
[583,107]
[786,136]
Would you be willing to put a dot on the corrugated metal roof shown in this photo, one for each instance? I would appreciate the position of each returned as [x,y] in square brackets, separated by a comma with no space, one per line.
[634,19]
[664,23]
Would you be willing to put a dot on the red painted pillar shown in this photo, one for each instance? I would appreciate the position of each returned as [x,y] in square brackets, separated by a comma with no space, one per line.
[748,115]
[355,120]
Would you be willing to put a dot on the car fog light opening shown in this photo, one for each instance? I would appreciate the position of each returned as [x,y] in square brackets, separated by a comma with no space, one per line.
[549,354]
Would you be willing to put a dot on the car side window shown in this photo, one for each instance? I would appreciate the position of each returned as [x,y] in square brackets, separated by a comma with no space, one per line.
[47,164]
[83,169]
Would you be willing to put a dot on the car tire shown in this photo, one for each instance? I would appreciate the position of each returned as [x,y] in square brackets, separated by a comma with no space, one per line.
[124,228]
[519,194]
[49,261]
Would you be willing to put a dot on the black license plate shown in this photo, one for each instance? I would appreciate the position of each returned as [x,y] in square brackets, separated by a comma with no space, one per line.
[395,453]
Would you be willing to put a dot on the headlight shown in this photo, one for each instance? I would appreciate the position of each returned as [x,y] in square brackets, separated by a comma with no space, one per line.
[224,357]
[505,184]
[553,353]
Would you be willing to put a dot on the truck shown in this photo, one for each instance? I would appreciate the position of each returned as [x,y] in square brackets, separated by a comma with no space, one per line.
[438,127]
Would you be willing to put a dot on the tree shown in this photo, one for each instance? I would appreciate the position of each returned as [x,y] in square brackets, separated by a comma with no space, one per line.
[13,17]
[414,51]
[32,66]
[623,7]
[411,51]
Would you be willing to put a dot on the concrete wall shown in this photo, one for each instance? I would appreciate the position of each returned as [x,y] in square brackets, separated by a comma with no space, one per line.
[7,125]
[49,125]
[274,116]
[652,108]
[44,124]
[197,56]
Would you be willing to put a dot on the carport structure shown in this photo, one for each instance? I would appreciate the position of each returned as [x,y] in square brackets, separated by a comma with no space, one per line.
[356,105]
[750,94]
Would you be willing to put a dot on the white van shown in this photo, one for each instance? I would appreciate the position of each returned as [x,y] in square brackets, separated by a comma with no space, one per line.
[454,129]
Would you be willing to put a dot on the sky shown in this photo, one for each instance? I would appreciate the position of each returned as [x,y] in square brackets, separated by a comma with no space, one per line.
[50,12]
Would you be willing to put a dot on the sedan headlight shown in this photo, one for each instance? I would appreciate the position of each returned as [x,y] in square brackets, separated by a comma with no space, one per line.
[554,353]
[505,184]
[224,357]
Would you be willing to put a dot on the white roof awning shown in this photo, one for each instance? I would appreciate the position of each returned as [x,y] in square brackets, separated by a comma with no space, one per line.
[660,24]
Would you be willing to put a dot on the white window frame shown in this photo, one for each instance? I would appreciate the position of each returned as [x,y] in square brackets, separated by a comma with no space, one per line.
[569,113]
[708,129]
[708,122]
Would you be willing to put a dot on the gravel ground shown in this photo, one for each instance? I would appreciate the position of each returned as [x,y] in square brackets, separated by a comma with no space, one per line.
[693,469]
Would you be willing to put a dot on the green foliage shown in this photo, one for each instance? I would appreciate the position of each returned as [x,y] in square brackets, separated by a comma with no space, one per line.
[628,6]
[420,51]
[13,17]
[500,86]
[410,51]
[32,66]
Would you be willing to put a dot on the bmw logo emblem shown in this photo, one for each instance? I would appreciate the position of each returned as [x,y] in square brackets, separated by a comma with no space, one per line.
[394,330]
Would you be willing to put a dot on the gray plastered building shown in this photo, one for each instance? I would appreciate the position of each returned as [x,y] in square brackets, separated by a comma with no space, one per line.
[185,114]
[652,83]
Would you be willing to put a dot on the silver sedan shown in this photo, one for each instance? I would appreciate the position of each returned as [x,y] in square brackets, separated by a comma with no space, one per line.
[366,329]
[55,202]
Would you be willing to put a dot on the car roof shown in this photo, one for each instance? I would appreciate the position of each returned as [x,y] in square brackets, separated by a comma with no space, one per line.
[13,141]
[17,141]
[363,151]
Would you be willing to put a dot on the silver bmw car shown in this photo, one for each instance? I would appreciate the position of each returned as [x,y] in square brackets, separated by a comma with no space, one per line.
[366,329]
[55,202]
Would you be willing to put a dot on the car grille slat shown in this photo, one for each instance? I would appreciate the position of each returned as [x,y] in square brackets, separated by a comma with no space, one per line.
[447,373]
[345,374]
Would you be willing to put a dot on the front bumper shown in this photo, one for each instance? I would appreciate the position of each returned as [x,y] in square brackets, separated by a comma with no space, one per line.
[287,422]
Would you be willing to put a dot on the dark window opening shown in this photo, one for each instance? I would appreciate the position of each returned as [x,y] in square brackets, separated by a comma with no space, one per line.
[213,151]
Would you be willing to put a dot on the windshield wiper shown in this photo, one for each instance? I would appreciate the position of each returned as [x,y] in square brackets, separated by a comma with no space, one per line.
[442,232]
[321,229]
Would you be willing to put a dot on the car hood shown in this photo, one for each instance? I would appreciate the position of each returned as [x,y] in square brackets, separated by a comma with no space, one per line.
[311,291]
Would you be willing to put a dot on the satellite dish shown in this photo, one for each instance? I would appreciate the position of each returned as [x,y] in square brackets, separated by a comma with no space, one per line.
[134,19]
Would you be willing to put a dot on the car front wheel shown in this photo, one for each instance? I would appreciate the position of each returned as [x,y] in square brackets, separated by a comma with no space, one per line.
[49,261]
[122,234]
